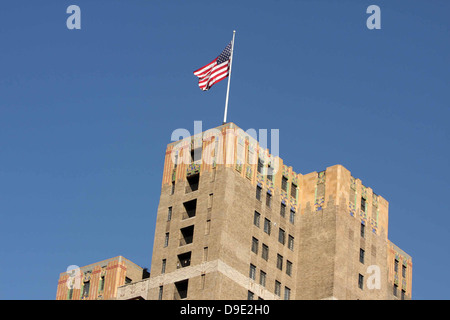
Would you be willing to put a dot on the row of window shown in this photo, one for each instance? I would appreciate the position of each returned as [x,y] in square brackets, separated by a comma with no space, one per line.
[269,204]
[262,282]
[265,256]
[268,229]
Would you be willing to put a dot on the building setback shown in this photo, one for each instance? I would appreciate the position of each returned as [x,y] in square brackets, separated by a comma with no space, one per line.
[235,222]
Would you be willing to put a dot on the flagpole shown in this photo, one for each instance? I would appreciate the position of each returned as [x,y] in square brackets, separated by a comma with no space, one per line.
[229,78]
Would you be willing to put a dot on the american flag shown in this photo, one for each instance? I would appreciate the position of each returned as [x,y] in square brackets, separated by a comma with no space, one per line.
[214,71]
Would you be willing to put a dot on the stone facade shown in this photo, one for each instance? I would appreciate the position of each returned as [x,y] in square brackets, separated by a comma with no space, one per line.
[237,223]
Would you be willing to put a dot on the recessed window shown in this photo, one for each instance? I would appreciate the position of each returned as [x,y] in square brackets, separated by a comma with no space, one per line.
[293,190]
[291,242]
[363,230]
[268,199]
[360,281]
[181,289]
[267,226]
[403,271]
[250,295]
[281,236]
[292,216]
[252,272]
[279,261]
[166,239]
[190,208]
[283,210]
[184,260]
[288,268]
[187,235]
[196,154]
[260,165]
[363,204]
[265,252]
[160,293]
[361,255]
[254,245]
[277,288]
[262,278]
[258,193]
[287,293]
[284,182]
[163,266]
[395,291]
[256,218]
[169,214]
[192,182]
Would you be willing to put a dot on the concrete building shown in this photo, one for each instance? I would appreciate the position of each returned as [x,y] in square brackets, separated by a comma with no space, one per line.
[235,222]
[98,281]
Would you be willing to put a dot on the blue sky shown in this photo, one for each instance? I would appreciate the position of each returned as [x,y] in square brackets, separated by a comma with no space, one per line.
[85,116]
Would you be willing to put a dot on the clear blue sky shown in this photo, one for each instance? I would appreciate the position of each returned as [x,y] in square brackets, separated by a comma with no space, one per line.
[85,116]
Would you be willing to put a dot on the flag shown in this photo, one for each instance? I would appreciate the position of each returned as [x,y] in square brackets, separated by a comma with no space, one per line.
[214,71]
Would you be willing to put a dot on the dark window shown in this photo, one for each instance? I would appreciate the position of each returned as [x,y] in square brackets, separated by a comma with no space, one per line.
[166,239]
[193,181]
[169,214]
[283,210]
[277,288]
[184,260]
[187,235]
[196,154]
[363,204]
[403,295]
[163,267]
[258,193]
[260,165]
[281,236]
[288,268]
[396,265]
[284,182]
[291,242]
[287,293]
[268,199]
[255,245]
[395,290]
[293,190]
[363,230]
[265,252]
[181,289]
[269,173]
[250,295]
[102,283]
[190,208]
[361,281]
[267,226]
[256,218]
[86,287]
[128,280]
[279,261]
[172,191]
[160,293]
[252,272]
[403,271]
[361,255]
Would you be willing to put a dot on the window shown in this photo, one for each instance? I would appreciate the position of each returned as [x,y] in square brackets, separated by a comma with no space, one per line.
[288,268]
[169,214]
[128,280]
[396,265]
[205,254]
[292,216]
[284,182]
[283,210]
[291,242]
[207,226]
[260,165]
[281,236]
[363,230]
[181,289]
[269,173]
[166,239]
[252,273]
[361,255]
[265,252]
[193,182]
[258,193]
[172,190]
[184,260]
[102,283]
[70,294]
[363,204]
[293,190]
[86,286]
[250,295]
[189,209]
[395,290]
[360,281]
[267,226]
[277,288]
[279,261]
[403,271]
[160,293]
[255,245]
[403,295]
[268,199]
[256,218]
[262,278]
[287,293]
[187,235]
[163,267]
[196,154]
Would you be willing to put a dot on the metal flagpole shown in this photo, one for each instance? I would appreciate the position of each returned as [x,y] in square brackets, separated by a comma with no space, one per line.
[229,78]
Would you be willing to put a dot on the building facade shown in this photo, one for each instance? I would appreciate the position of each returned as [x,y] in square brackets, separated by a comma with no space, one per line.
[98,281]
[235,222]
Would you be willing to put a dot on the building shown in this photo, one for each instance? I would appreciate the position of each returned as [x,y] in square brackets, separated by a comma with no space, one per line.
[98,281]
[235,222]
